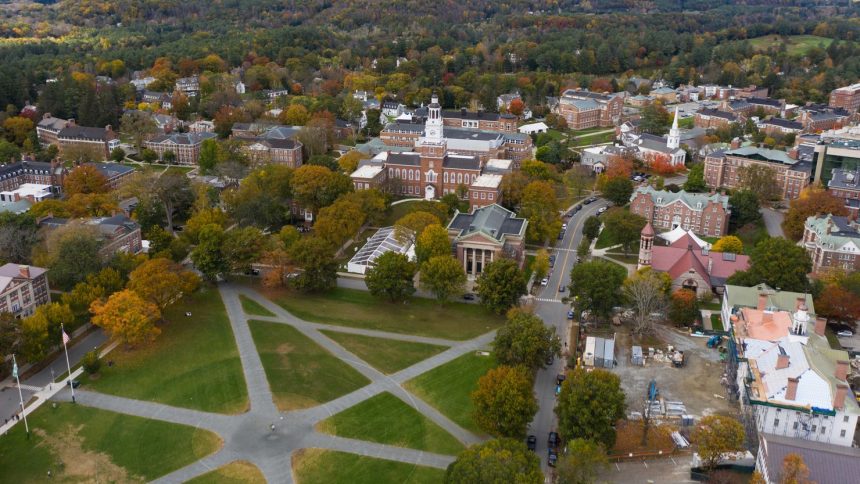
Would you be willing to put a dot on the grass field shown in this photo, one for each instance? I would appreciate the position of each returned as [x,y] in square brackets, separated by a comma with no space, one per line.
[301,374]
[253,307]
[194,363]
[236,472]
[386,355]
[448,387]
[717,322]
[420,316]
[624,259]
[396,212]
[385,419]
[317,466]
[84,444]
[795,44]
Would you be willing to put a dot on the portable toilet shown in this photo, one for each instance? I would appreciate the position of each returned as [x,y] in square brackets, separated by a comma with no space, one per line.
[609,353]
[636,356]
[588,357]
[598,352]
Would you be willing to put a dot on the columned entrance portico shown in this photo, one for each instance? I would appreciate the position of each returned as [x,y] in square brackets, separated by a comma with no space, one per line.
[475,259]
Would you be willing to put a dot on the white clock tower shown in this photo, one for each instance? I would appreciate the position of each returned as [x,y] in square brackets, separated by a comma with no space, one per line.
[433,126]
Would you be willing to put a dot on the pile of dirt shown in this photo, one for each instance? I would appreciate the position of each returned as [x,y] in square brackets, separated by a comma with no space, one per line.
[79,464]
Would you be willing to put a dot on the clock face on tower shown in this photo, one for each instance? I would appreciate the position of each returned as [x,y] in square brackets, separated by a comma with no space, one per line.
[431,133]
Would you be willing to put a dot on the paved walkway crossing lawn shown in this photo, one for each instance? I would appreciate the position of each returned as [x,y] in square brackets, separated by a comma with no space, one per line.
[449,387]
[418,316]
[386,419]
[236,472]
[253,307]
[193,364]
[386,355]
[83,444]
[301,374]
[317,466]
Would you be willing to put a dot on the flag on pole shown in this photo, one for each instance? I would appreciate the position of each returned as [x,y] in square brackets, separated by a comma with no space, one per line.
[15,371]
[65,338]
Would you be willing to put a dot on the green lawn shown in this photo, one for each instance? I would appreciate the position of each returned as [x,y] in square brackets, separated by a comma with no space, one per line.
[448,387]
[795,44]
[751,234]
[687,123]
[420,316]
[717,322]
[386,355]
[301,374]
[385,419]
[236,472]
[253,307]
[588,131]
[530,259]
[396,212]
[194,363]
[594,139]
[83,444]
[318,466]
[624,259]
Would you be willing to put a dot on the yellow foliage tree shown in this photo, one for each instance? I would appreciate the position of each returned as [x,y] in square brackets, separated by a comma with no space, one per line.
[162,281]
[127,317]
[729,243]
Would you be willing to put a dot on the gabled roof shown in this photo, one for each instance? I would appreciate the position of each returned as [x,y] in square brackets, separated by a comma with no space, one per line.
[689,199]
[784,123]
[492,220]
[740,296]
[762,154]
[827,463]
[83,132]
[716,113]
[183,138]
[835,233]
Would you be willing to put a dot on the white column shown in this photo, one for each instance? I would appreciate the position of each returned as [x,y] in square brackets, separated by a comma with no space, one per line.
[483,259]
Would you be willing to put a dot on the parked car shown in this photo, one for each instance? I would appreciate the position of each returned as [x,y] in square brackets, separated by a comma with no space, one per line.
[531,442]
[562,288]
[587,201]
[561,235]
[469,297]
[552,458]
[549,359]
[570,314]
[560,378]
[564,227]
[74,383]
[601,210]
[577,208]
[553,440]
[845,333]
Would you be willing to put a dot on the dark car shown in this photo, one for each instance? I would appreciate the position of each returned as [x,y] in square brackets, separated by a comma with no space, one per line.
[562,288]
[577,208]
[560,378]
[587,201]
[553,440]
[74,383]
[561,235]
[252,272]
[531,442]
[469,297]
[549,359]
[552,458]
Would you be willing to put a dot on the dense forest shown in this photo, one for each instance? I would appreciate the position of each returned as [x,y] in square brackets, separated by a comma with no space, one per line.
[471,50]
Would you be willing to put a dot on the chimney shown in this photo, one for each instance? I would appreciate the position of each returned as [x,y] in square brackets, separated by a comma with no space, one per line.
[820,325]
[109,128]
[46,116]
[70,122]
[782,360]
[800,302]
[24,271]
[791,390]
[762,302]
[839,398]
[841,372]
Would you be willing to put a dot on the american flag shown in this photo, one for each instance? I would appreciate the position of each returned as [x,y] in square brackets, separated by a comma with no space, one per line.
[65,338]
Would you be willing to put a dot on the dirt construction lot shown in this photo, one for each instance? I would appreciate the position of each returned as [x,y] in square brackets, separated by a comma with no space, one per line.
[697,384]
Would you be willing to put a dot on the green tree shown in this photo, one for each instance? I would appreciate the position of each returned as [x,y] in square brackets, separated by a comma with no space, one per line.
[91,362]
[596,285]
[591,227]
[655,119]
[540,264]
[539,206]
[696,179]
[319,267]
[208,255]
[583,249]
[777,262]
[392,277]
[432,241]
[444,276]
[623,227]
[263,198]
[71,253]
[117,154]
[582,463]
[208,157]
[589,406]
[501,284]
[760,180]
[494,462]
[41,331]
[242,247]
[618,190]
[9,152]
[411,225]
[745,208]
[139,126]
[18,236]
[504,402]
[716,435]
[525,340]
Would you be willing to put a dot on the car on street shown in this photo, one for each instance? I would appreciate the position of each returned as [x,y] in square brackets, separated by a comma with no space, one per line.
[561,235]
[587,201]
[601,210]
[549,359]
[559,379]
[544,281]
[551,260]
[845,333]
[553,441]
[552,458]
[469,297]
[570,314]
[531,442]
[577,208]
[563,227]
[562,288]
[558,389]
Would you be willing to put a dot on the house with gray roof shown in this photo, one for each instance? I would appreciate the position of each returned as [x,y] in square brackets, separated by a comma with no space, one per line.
[184,146]
[833,242]
[827,464]
[845,184]
[703,213]
[725,169]
[116,234]
[486,234]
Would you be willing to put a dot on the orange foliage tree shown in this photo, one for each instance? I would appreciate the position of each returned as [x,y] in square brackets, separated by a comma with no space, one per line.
[162,281]
[127,317]
[813,200]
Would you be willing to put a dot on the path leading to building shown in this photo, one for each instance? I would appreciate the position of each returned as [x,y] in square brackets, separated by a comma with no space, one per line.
[249,436]
[773,221]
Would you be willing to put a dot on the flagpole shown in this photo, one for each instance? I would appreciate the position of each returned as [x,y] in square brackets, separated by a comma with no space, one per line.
[20,395]
[65,337]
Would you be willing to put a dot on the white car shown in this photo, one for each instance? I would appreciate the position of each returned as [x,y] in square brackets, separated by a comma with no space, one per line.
[601,210]
[845,333]
[544,281]
[563,226]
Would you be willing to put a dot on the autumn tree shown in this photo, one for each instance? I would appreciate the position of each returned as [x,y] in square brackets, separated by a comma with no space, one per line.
[501,284]
[813,200]
[539,206]
[319,267]
[525,341]
[338,222]
[582,463]
[540,264]
[794,470]
[839,300]
[431,242]
[777,262]
[504,402]
[760,180]
[127,317]
[391,276]
[516,107]
[443,276]
[42,330]
[71,253]
[512,187]
[494,462]
[316,186]
[294,115]
[646,291]
[729,243]
[715,436]
[684,307]
[411,225]
[18,129]
[348,162]
[589,406]
[161,282]
[242,247]
[98,285]
[85,179]
[208,256]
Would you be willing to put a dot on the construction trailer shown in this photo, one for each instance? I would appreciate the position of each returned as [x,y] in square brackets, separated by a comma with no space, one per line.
[588,356]
[598,352]
[609,353]
[636,356]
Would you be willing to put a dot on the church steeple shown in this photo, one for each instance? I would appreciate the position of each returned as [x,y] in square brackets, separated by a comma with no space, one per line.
[433,127]
[673,141]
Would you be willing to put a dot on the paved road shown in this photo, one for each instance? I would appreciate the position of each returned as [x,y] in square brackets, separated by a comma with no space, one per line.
[773,221]
[9,403]
[554,313]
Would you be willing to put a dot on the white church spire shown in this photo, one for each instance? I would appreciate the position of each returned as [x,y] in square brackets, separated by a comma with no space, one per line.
[673,141]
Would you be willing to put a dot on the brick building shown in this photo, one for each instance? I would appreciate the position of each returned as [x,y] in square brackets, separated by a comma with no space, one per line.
[832,242]
[22,289]
[13,175]
[185,146]
[706,214]
[281,151]
[845,184]
[484,144]
[48,128]
[583,109]
[115,173]
[780,127]
[99,142]
[774,107]
[117,234]
[486,234]
[724,167]
[714,118]
[820,117]
[847,98]
[480,120]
